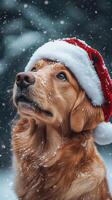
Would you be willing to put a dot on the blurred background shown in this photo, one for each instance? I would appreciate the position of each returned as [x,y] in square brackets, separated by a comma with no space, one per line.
[24,26]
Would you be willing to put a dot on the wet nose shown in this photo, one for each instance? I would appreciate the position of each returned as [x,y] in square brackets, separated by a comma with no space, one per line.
[24,79]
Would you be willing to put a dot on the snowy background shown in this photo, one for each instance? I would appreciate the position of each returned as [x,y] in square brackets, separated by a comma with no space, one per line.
[26,24]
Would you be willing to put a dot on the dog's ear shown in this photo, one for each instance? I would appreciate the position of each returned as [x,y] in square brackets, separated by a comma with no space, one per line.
[84,116]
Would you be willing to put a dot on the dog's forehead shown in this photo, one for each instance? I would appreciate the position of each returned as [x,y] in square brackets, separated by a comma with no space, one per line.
[52,65]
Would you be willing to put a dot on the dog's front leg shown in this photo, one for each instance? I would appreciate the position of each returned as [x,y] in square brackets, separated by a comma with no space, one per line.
[101,192]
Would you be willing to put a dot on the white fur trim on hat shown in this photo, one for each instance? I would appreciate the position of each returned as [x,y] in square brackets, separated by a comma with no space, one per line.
[77,60]
[103,133]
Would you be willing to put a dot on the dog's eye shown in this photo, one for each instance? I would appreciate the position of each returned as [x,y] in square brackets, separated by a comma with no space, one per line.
[62,76]
[34,69]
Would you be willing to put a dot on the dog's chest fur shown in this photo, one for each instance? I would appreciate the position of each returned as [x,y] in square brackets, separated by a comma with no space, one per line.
[66,175]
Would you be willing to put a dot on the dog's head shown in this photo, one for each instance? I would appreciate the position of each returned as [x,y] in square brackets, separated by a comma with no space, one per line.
[50,94]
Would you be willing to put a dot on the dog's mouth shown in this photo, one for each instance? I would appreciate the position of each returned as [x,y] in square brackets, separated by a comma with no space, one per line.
[29,104]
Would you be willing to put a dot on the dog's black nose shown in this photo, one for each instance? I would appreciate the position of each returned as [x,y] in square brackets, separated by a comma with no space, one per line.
[24,79]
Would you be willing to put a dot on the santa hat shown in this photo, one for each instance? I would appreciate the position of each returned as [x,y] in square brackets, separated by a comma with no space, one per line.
[89,68]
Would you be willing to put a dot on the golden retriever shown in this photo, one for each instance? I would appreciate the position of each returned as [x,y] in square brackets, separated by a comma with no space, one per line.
[53,146]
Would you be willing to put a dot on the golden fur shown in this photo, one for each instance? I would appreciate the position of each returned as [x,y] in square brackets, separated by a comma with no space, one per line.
[55,156]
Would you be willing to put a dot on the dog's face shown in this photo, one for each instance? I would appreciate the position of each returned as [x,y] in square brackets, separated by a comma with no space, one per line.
[49,93]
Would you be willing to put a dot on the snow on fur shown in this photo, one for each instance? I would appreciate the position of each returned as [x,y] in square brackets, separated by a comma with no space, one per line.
[103,133]
[77,60]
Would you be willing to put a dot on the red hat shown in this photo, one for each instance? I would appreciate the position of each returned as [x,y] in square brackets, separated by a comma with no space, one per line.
[103,74]
[89,68]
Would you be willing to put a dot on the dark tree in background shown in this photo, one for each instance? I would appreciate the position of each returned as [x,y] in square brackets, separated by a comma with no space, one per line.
[26,24]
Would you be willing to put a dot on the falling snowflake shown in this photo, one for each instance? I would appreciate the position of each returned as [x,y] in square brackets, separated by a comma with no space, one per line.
[46,2]
[3,146]
[44,32]
[62,22]
[96,12]
[25,5]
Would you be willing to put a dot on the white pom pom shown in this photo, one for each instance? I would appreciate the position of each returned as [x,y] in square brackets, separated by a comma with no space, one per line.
[103,133]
